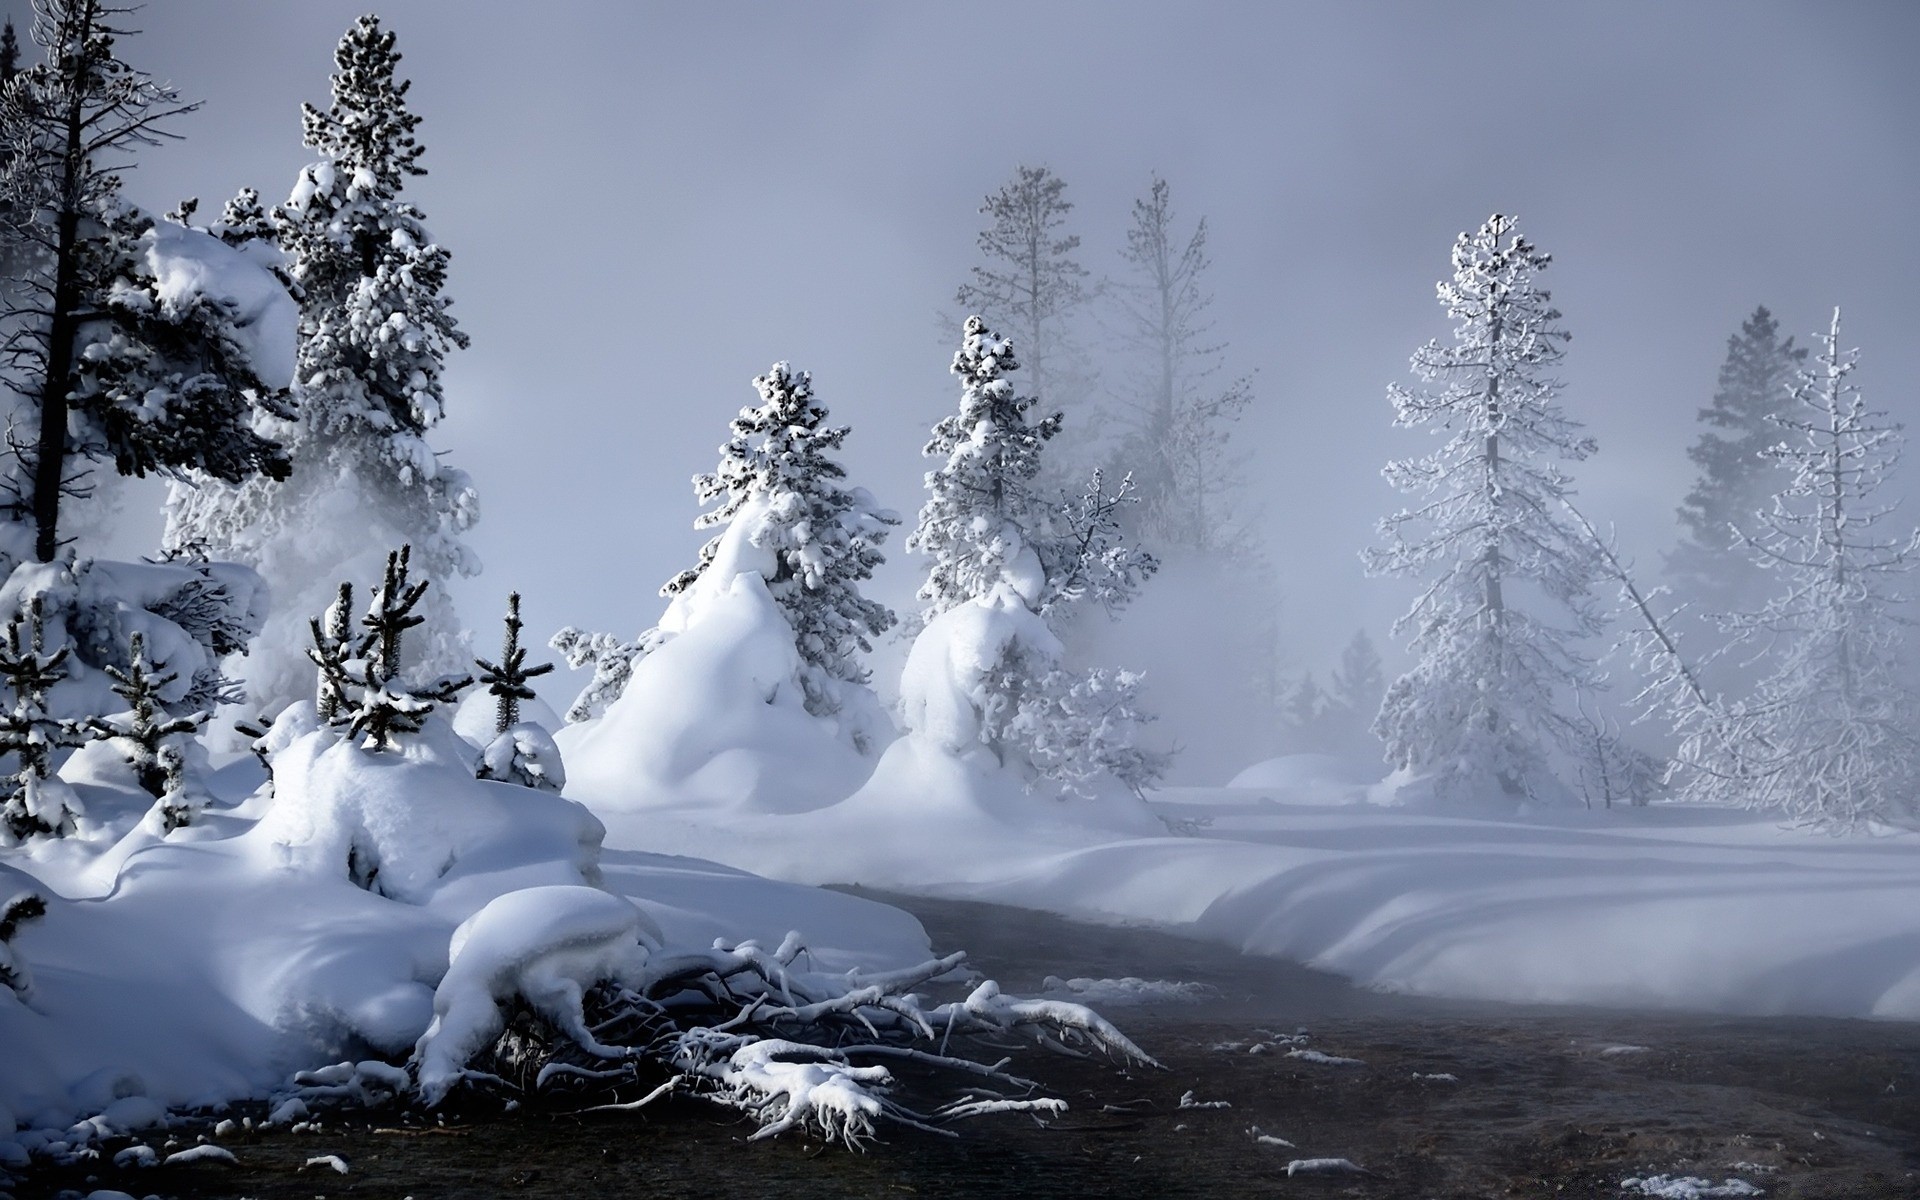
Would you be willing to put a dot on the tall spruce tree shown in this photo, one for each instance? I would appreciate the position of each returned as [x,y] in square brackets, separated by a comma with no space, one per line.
[375,330]
[108,364]
[9,54]
[1737,476]
[1030,282]
[778,482]
[1188,477]
[1830,735]
[1489,696]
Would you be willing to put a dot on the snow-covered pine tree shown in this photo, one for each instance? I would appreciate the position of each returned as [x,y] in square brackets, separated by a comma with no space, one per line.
[1359,681]
[146,730]
[111,364]
[1189,479]
[1831,735]
[995,540]
[364,684]
[1492,688]
[822,538]
[33,799]
[1737,476]
[507,681]
[1030,281]
[375,330]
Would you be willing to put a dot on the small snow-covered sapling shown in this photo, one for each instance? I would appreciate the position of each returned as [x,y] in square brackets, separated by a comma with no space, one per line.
[146,729]
[34,802]
[361,686]
[507,681]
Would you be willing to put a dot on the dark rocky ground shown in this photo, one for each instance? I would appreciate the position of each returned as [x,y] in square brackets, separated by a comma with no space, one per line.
[1556,1102]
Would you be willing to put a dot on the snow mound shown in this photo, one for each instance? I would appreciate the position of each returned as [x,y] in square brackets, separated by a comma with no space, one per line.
[1307,779]
[414,825]
[544,945]
[714,717]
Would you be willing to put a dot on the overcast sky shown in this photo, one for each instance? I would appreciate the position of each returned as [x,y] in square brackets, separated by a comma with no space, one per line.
[648,204]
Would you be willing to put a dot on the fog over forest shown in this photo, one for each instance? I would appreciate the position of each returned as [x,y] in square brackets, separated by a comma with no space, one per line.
[646,206]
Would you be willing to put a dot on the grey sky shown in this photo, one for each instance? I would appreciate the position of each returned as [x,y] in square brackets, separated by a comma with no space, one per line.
[647,204]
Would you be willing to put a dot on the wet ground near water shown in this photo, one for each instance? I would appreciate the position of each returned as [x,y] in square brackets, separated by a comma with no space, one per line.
[1445,1100]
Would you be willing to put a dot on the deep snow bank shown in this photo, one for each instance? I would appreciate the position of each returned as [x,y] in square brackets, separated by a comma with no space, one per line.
[1664,907]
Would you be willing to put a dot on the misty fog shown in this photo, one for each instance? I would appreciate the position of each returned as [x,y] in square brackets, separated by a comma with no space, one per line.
[648,206]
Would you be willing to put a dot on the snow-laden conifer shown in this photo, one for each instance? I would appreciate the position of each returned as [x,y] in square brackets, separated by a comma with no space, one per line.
[363,688]
[1030,281]
[1737,476]
[778,481]
[1831,735]
[33,799]
[145,731]
[114,361]
[1506,597]
[375,331]
[1010,557]
[1190,479]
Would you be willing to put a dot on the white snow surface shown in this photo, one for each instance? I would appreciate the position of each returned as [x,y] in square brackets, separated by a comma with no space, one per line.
[215,962]
[1664,907]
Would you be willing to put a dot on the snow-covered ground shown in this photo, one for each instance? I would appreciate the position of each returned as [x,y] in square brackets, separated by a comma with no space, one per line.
[1707,909]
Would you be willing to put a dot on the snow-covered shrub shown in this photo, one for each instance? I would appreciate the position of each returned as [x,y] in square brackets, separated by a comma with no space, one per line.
[612,662]
[524,754]
[361,686]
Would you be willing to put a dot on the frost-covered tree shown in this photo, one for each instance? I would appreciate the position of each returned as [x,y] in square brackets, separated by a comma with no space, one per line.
[998,546]
[1490,692]
[777,481]
[364,687]
[111,359]
[375,331]
[1831,735]
[989,521]
[1359,681]
[508,681]
[1737,476]
[1031,282]
[611,660]
[32,798]
[1189,477]
[9,54]
[146,731]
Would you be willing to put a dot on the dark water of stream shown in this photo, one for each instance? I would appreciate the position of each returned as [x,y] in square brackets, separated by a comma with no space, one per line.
[1540,1103]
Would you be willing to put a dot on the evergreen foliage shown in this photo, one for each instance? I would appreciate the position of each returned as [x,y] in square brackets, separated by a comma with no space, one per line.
[1829,735]
[375,331]
[822,538]
[988,521]
[111,368]
[611,660]
[35,800]
[507,681]
[146,730]
[1189,479]
[1030,281]
[364,688]
[1738,477]
[1488,697]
